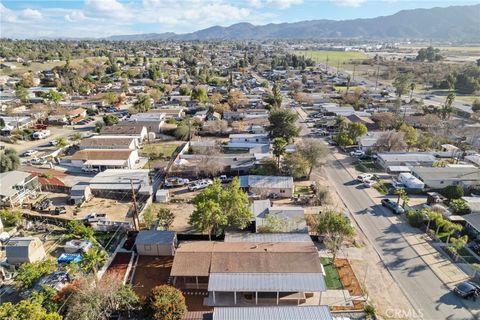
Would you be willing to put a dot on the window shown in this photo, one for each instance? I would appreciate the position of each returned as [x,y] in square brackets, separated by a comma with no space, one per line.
[282,191]
[147,247]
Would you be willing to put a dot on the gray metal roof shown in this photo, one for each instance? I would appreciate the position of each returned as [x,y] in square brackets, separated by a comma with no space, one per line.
[9,180]
[266,282]
[266,182]
[407,156]
[267,237]
[273,313]
[155,237]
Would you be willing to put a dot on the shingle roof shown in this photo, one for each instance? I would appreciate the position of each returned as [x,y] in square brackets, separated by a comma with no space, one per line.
[102,154]
[202,257]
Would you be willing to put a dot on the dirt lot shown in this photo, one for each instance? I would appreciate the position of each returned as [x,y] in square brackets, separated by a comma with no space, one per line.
[151,272]
[182,212]
[115,210]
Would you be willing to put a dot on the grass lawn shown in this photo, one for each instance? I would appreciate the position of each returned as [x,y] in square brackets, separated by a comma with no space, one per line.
[159,150]
[382,187]
[332,278]
[365,166]
[302,190]
[334,57]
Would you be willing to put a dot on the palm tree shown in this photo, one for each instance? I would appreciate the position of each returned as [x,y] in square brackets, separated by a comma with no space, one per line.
[279,146]
[412,87]
[447,107]
[432,216]
[450,228]
[348,83]
[93,258]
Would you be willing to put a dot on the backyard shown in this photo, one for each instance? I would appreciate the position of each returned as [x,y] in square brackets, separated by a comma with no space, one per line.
[158,151]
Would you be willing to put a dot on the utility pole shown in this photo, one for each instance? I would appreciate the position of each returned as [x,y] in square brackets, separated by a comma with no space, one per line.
[135,214]
[376,80]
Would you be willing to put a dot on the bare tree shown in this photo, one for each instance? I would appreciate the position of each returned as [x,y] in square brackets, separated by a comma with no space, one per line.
[385,120]
[391,141]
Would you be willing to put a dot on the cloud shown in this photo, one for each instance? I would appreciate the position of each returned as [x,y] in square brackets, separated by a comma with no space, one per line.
[101,18]
[30,14]
[75,15]
[283,4]
[349,3]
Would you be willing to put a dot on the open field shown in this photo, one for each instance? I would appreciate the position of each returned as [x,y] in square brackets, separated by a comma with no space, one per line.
[334,57]
[37,66]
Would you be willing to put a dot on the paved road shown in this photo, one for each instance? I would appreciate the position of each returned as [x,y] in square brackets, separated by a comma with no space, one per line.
[431,299]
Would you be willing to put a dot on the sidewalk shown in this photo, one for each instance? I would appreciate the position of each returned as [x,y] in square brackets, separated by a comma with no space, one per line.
[448,272]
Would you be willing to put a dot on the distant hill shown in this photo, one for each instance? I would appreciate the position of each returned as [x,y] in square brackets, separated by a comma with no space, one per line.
[456,23]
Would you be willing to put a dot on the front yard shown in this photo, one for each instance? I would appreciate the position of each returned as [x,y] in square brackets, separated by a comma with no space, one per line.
[332,278]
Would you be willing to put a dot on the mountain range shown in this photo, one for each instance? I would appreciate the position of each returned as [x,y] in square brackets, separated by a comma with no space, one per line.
[455,23]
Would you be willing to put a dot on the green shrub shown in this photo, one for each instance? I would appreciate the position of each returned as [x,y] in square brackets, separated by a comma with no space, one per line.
[370,311]
[459,206]
[415,218]
[452,192]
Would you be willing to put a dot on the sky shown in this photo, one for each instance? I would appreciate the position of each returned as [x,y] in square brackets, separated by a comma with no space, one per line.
[101,18]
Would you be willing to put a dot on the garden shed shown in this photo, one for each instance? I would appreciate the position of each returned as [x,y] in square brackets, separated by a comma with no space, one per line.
[156,243]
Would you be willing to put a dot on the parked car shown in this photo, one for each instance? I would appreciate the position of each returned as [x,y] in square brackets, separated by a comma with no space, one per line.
[43,205]
[59,210]
[467,289]
[89,169]
[253,195]
[392,205]
[176,182]
[38,161]
[202,184]
[53,143]
[224,179]
[357,153]
[364,177]
[95,217]
[369,183]
[29,153]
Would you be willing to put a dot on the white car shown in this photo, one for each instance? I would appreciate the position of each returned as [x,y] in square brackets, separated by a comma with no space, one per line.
[365,177]
[38,161]
[202,184]
[357,153]
[369,183]
[88,169]
[29,153]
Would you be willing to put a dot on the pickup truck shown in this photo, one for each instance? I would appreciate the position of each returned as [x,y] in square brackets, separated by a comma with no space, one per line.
[176,182]
[202,184]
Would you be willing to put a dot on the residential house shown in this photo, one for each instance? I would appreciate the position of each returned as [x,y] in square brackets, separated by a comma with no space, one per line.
[441,177]
[103,159]
[268,185]
[79,193]
[152,121]
[389,159]
[156,243]
[15,123]
[256,273]
[292,218]
[16,186]
[253,143]
[106,142]
[126,129]
[118,183]
[24,249]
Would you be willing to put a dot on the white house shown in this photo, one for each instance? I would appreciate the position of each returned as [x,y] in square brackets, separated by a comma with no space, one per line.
[106,159]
